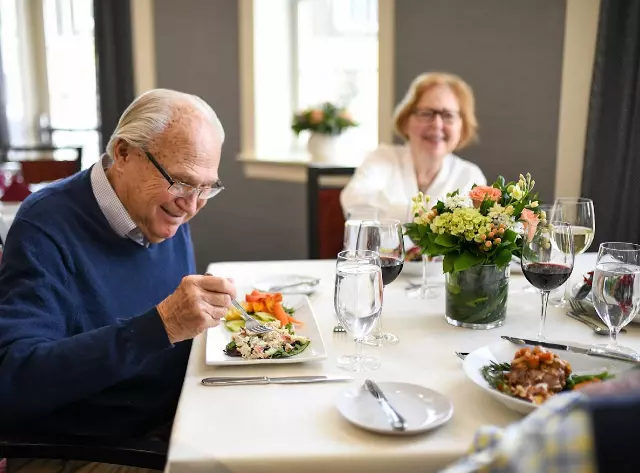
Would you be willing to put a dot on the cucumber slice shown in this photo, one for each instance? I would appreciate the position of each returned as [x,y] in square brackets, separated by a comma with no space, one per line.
[264,316]
[234,325]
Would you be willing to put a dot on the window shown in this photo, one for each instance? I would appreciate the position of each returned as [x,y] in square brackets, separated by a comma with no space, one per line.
[303,53]
[337,59]
[12,68]
[48,58]
[71,76]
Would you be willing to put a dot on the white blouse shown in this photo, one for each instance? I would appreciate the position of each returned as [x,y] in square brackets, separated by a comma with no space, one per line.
[386,181]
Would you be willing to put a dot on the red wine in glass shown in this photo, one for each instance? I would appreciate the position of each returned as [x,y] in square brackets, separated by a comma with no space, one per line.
[546,276]
[391,268]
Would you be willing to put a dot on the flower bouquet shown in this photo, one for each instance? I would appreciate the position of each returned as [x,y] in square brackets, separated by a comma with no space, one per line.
[326,119]
[478,234]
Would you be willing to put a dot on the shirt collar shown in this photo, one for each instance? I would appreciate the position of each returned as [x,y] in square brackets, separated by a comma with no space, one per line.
[111,206]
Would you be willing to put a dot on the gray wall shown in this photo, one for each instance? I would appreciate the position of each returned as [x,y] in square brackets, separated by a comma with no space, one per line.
[197,52]
[510,52]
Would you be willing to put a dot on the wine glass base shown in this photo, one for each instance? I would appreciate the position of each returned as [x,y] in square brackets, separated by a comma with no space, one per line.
[358,363]
[381,339]
[422,293]
[619,349]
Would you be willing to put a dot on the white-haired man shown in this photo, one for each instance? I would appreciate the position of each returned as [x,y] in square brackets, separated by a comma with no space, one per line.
[98,296]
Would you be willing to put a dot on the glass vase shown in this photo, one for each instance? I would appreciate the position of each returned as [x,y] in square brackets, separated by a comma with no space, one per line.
[476,298]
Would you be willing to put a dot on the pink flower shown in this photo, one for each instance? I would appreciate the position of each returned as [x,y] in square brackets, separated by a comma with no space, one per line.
[530,220]
[478,193]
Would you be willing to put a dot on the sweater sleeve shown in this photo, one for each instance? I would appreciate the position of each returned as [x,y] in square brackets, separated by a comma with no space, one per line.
[42,365]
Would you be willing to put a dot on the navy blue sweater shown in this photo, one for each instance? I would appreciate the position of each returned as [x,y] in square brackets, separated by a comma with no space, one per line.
[82,348]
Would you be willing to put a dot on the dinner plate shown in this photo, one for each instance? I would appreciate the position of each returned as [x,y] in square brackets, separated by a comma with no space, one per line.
[273,283]
[218,338]
[503,352]
[423,409]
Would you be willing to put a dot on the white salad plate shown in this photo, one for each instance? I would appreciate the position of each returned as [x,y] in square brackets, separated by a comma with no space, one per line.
[503,352]
[422,408]
[218,338]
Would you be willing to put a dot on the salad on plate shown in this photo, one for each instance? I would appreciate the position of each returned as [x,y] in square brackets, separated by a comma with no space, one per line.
[280,342]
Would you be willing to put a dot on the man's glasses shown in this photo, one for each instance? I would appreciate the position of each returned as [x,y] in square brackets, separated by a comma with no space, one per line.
[428,114]
[180,189]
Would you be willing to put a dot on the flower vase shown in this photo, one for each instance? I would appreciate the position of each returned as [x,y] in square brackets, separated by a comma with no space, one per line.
[476,298]
[323,148]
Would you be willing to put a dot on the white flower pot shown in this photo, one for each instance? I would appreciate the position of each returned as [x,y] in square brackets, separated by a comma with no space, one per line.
[324,148]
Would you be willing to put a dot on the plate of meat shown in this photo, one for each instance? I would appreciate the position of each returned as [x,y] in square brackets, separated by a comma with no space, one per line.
[524,378]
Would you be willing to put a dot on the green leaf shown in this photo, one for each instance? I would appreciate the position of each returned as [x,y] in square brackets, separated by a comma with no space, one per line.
[466,260]
[446,240]
[449,262]
[503,258]
[510,235]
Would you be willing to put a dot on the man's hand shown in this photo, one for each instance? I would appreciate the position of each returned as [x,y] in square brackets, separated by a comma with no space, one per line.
[198,303]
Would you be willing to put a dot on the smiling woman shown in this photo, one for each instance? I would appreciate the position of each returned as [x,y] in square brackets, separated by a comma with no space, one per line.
[435,118]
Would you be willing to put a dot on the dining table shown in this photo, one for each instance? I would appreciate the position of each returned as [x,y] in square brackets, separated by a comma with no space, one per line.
[268,428]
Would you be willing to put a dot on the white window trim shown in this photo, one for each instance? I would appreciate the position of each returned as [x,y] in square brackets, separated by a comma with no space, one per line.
[292,167]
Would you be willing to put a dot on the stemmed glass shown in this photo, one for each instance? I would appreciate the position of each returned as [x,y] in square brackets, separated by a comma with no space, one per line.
[616,288]
[384,236]
[424,291]
[547,261]
[552,214]
[357,302]
[579,212]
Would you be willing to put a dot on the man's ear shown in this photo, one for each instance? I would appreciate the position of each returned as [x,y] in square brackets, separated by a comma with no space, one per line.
[122,150]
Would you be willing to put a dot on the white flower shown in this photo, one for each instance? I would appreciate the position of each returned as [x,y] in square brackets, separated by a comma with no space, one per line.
[517,192]
[518,228]
[458,202]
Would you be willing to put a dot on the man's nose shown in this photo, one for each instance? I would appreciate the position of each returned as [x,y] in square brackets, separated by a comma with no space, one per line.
[189,203]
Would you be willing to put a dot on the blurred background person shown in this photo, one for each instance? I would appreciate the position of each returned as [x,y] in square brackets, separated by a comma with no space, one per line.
[435,118]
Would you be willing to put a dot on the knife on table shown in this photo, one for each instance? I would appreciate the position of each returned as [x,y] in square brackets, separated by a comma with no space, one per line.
[250,380]
[574,349]
[396,420]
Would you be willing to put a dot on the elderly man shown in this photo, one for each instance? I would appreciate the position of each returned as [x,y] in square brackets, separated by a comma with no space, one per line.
[98,296]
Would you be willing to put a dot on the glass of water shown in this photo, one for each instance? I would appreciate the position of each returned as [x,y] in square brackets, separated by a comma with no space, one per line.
[616,288]
[357,302]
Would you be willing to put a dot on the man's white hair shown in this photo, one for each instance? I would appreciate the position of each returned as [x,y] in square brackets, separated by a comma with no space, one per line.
[149,115]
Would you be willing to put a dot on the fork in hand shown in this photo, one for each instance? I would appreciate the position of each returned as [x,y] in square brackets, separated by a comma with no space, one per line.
[250,324]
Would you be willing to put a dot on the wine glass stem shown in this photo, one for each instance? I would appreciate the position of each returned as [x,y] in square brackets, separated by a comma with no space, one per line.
[358,349]
[543,314]
[424,285]
[613,338]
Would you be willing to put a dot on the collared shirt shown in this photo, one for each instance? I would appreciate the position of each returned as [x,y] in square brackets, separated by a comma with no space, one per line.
[111,206]
[557,437]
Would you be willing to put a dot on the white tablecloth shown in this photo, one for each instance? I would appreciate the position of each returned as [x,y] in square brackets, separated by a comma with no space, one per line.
[7,214]
[297,428]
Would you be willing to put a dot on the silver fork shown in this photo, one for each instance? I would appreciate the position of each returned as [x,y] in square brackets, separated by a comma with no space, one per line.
[579,313]
[250,324]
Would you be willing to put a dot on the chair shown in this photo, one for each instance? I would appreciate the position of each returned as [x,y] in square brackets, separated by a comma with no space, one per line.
[44,163]
[324,213]
[143,453]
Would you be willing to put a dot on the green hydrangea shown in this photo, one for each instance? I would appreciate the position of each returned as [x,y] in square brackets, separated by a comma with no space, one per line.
[469,223]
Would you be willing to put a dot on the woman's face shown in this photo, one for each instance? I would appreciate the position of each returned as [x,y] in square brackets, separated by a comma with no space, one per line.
[435,124]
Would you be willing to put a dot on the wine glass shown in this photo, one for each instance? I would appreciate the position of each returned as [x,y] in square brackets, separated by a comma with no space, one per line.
[579,212]
[357,302]
[384,236]
[547,260]
[423,291]
[616,288]
[552,214]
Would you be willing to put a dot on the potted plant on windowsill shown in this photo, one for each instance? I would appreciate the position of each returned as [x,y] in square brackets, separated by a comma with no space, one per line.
[478,234]
[326,123]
